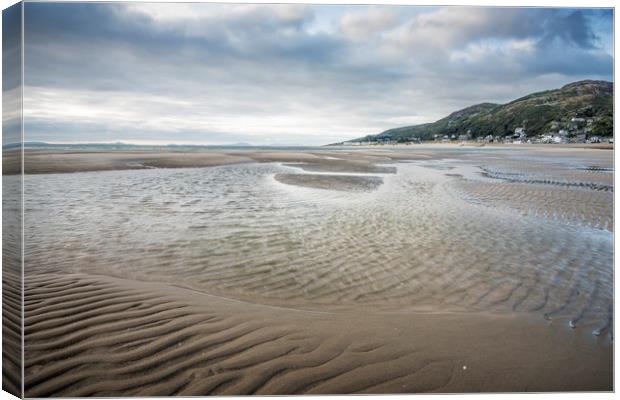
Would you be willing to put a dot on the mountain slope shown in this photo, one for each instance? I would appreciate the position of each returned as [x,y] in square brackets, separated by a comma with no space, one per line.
[538,113]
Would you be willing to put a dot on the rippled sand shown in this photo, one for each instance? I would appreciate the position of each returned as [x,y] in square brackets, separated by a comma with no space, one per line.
[94,336]
[11,286]
[322,272]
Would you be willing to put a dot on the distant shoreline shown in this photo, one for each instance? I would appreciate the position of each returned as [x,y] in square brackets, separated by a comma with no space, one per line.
[184,147]
[335,159]
[593,146]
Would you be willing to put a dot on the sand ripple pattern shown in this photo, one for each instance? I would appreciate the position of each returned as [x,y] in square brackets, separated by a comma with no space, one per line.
[556,204]
[88,336]
[11,286]
[542,180]
[423,240]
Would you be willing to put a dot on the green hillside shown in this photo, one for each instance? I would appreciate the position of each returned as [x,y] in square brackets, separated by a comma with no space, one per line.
[539,113]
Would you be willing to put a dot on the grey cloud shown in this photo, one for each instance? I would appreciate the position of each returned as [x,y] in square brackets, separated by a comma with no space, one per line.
[571,28]
[267,65]
[11,75]
[11,47]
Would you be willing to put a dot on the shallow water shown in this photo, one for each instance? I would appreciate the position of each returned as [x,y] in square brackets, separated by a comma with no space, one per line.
[436,235]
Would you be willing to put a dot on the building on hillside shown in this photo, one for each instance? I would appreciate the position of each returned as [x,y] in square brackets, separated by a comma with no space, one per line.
[577,123]
[559,140]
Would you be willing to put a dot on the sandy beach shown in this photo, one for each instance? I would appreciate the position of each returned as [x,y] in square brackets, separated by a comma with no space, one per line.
[327,271]
[109,337]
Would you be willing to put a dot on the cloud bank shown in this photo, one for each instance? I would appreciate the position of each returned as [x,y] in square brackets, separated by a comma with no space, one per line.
[288,74]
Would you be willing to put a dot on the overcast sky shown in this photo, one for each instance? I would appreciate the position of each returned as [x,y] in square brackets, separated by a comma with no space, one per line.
[288,74]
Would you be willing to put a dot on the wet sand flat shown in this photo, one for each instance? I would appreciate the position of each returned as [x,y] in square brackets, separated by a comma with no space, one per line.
[331,182]
[64,161]
[331,271]
[42,161]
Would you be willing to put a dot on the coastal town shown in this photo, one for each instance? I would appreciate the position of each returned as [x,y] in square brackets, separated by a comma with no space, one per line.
[576,130]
